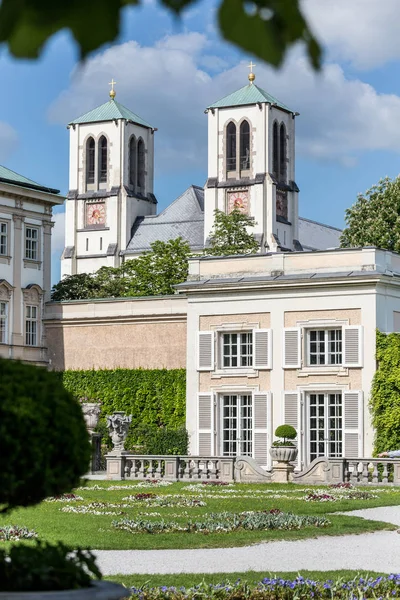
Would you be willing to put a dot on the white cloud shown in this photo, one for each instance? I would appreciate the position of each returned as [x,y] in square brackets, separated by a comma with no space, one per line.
[363,32]
[8,140]
[167,85]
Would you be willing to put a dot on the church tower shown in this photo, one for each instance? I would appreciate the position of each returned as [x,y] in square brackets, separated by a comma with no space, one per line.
[110,185]
[251,165]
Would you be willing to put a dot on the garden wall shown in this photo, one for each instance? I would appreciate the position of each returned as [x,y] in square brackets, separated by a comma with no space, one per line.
[131,333]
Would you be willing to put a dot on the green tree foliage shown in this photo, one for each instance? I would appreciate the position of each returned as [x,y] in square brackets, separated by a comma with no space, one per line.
[151,274]
[374,219]
[230,235]
[385,395]
[267,30]
[156,399]
[44,443]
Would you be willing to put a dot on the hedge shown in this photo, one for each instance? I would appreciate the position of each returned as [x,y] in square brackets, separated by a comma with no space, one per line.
[155,398]
[385,394]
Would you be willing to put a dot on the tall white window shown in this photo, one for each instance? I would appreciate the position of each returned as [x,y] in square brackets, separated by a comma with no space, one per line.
[237,350]
[3,322]
[32,243]
[237,425]
[31,325]
[325,425]
[3,239]
[324,347]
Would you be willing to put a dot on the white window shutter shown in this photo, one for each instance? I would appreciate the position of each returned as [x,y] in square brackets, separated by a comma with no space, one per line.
[206,424]
[292,348]
[353,346]
[262,343]
[353,424]
[261,427]
[292,416]
[205,355]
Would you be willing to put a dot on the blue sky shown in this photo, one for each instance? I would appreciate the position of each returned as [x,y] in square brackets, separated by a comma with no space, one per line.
[348,131]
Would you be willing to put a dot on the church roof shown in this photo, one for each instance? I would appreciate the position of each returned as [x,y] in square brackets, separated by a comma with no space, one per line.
[13,178]
[183,218]
[249,94]
[108,112]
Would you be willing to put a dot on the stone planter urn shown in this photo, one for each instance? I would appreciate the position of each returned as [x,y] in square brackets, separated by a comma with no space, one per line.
[99,590]
[118,426]
[283,453]
[91,414]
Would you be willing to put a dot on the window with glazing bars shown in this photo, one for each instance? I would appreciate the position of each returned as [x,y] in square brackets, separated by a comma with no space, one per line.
[31,243]
[324,347]
[231,147]
[3,238]
[237,349]
[31,325]
[3,322]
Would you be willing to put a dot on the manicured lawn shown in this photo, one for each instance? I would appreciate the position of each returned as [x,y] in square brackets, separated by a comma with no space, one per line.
[96,530]
[251,577]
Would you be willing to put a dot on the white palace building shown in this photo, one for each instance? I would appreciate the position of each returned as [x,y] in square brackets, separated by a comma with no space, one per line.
[283,336]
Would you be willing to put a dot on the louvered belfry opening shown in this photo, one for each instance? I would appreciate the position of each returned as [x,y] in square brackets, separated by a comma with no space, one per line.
[90,161]
[244,146]
[231,147]
[132,161]
[103,159]
[140,164]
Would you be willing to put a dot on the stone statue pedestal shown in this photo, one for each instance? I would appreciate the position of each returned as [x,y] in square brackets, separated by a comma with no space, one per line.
[116,462]
[96,453]
[282,472]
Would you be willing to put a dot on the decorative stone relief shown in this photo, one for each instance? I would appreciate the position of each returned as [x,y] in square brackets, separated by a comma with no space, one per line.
[118,427]
[32,295]
[5,291]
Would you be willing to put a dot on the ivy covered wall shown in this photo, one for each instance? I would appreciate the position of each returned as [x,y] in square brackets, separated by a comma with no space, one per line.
[385,395]
[155,398]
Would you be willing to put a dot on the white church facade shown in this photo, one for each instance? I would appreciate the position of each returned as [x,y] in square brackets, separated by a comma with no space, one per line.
[283,336]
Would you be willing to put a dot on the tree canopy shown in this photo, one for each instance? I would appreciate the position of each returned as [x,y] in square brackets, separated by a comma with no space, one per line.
[151,274]
[230,235]
[374,219]
[156,273]
[265,28]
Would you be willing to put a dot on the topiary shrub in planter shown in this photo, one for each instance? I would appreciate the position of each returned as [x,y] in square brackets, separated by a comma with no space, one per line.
[45,451]
[283,449]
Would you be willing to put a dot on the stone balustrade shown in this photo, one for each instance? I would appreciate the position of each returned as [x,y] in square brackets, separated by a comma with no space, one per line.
[171,468]
[322,471]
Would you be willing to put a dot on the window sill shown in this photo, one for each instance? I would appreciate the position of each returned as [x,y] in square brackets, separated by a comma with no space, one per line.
[323,370]
[5,259]
[32,264]
[234,373]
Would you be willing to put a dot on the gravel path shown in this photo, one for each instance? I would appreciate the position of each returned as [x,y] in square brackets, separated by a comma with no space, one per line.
[378,551]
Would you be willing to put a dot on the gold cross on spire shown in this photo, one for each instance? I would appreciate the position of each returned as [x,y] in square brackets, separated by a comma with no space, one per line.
[112,91]
[251,74]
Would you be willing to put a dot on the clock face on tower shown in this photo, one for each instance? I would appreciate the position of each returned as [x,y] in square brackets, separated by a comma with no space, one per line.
[238,200]
[96,214]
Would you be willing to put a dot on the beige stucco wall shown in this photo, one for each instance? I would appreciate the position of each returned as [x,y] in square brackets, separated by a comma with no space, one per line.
[260,379]
[298,377]
[125,333]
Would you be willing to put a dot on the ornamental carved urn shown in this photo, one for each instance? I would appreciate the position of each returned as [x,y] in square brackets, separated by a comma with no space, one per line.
[283,453]
[118,426]
[91,414]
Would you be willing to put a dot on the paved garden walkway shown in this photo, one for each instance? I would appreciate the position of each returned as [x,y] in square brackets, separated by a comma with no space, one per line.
[378,551]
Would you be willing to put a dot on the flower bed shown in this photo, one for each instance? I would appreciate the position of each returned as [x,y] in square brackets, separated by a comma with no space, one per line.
[168,500]
[64,498]
[225,523]
[14,533]
[338,493]
[280,589]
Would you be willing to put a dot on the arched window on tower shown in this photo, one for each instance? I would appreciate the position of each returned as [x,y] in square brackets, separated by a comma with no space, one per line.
[90,150]
[231,147]
[282,153]
[275,151]
[132,161]
[140,164]
[244,146]
[103,156]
